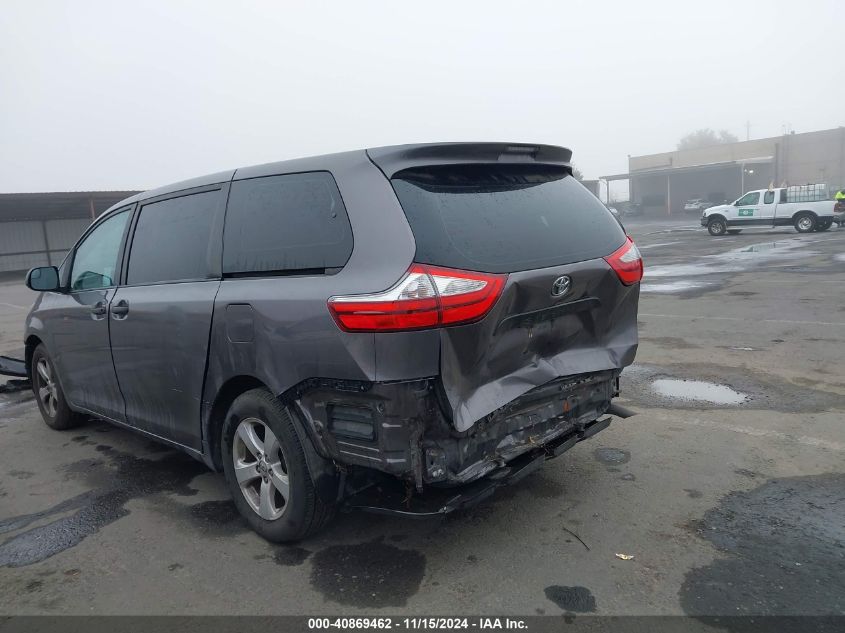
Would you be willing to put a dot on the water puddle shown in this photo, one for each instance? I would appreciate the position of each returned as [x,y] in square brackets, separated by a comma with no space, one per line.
[766,251]
[612,455]
[13,401]
[775,541]
[572,599]
[839,258]
[118,478]
[14,385]
[759,248]
[697,390]
[738,259]
[368,575]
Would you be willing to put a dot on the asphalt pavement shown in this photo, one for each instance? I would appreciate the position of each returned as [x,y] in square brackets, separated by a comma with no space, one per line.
[724,495]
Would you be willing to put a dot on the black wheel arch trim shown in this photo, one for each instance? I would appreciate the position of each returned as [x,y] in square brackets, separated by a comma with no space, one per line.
[324,473]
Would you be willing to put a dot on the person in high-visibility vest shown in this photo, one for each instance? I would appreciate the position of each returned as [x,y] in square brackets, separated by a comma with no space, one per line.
[840,195]
[840,199]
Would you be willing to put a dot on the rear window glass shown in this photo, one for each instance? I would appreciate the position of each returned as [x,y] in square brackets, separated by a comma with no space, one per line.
[497,219]
[289,223]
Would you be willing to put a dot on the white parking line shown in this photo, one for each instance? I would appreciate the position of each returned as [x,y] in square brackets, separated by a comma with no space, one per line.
[723,318]
[642,248]
[12,305]
[676,229]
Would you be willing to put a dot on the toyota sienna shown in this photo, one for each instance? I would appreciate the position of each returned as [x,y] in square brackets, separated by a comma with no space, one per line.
[436,319]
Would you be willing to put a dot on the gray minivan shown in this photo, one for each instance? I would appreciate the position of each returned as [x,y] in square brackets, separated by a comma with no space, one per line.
[402,328]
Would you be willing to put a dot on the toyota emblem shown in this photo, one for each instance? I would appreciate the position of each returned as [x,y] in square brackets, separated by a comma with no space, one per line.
[561,286]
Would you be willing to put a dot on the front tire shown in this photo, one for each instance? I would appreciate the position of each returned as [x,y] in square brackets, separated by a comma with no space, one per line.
[805,223]
[717,226]
[48,393]
[265,467]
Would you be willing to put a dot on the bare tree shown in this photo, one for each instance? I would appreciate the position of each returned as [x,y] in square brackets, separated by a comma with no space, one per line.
[705,137]
[577,173]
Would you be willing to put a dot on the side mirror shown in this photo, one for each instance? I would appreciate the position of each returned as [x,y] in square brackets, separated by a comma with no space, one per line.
[44,278]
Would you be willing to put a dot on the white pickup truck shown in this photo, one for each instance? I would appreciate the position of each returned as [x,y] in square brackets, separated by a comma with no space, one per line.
[803,207]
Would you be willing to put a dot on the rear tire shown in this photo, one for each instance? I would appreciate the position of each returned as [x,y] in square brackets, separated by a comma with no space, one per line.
[734,231]
[265,467]
[824,225]
[48,393]
[805,223]
[717,226]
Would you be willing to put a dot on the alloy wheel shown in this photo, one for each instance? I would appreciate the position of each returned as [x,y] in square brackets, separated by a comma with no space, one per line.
[47,389]
[261,468]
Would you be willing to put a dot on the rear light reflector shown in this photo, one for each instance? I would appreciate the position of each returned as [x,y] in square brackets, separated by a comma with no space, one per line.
[627,262]
[426,297]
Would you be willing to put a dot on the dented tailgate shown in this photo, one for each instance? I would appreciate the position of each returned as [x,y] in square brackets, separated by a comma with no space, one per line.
[530,338]
[563,309]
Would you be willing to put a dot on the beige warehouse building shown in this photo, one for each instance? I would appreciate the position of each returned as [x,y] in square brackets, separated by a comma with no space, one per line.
[661,183]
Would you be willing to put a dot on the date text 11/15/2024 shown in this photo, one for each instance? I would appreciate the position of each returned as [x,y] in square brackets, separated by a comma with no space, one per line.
[418,623]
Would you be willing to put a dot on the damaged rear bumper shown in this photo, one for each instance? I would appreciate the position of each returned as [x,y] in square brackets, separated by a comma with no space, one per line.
[392,500]
[402,428]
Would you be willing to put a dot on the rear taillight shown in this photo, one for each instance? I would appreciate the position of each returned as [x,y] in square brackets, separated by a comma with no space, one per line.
[426,297]
[627,262]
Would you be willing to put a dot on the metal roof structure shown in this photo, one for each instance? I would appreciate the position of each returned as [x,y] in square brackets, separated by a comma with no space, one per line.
[59,204]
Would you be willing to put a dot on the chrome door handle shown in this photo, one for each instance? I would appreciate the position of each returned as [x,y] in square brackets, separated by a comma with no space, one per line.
[120,309]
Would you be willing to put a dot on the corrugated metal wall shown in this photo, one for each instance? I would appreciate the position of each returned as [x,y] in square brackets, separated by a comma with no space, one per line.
[28,243]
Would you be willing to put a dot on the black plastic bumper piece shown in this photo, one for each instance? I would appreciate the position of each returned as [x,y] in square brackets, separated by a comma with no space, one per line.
[12,367]
[390,498]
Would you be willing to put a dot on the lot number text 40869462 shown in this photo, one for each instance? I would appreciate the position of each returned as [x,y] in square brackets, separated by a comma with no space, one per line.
[420,623]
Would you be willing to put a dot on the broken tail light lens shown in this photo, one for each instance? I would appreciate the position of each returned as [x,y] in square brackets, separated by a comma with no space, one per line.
[627,262]
[426,297]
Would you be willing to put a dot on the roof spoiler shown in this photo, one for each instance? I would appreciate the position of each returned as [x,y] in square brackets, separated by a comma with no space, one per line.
[394,159]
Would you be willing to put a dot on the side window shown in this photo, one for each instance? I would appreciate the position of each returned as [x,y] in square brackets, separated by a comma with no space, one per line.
[172,239]
[95,259]
[782,195]
[749,198]
[295,222]
[769,197]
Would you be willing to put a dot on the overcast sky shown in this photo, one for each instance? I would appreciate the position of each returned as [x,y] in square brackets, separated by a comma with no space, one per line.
[120,95]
